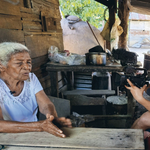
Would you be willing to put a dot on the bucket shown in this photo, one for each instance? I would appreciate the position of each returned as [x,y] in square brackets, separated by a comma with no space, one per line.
[116,105]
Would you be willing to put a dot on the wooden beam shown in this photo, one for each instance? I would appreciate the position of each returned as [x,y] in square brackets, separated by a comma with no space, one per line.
[112,11]
[104,2]
[89,92]
[124,16]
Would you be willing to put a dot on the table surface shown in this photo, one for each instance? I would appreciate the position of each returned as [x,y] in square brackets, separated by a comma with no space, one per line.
[77,138]
[83,68]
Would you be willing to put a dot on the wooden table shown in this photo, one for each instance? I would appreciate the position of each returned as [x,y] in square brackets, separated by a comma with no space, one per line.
[77,138]
[54,68]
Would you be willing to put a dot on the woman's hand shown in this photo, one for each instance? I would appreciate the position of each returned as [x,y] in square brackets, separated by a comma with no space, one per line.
[136,92]
[61,122]
[48,126]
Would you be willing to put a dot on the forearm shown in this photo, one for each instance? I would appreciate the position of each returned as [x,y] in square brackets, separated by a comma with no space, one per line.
[49,109]
[145,103]
[17,127]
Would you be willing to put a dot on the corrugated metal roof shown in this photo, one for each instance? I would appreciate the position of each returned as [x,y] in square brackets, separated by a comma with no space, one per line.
[136,16]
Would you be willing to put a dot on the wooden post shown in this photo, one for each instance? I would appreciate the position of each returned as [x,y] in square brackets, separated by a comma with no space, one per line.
[124,16]
[112,11]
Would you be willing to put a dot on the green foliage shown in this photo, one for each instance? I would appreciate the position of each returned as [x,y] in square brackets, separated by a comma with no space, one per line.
[87,10]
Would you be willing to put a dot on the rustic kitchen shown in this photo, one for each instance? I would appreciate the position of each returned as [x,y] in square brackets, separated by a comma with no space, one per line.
[85,79]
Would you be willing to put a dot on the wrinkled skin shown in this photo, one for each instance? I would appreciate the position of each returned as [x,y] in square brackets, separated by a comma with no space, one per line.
[14,74]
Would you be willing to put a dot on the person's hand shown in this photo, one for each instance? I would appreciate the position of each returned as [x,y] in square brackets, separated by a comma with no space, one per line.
[136,92]
[48,126]
[63,122]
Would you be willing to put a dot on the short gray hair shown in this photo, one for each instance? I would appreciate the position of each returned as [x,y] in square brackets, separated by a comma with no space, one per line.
[7,49]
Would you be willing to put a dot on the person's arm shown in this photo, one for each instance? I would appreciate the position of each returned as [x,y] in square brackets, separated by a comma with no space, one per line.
[138,94]
[47,108]
[18,127]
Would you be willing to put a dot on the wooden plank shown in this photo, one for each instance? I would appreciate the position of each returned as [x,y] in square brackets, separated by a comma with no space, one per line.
[83,77]
[9,8]
[38,4]
[59,75]
[64,88]
[45,78]
[7,35]
[88,138]
[46,84]
[80,85]
[51,12]
[61,83]
[56,2]
[21,3]
[31,19]
[29,10]
[31,25]
[82,68]
[89,92]
[39,45]
[39,61]
[76,100]
[111,117]
[52,32]
[83,81]
[28,15]
[10,22]
[34,148]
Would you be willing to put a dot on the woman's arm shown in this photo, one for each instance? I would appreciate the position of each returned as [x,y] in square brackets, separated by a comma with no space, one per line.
[47,108]
[138,94]
[45,105]
[17,127]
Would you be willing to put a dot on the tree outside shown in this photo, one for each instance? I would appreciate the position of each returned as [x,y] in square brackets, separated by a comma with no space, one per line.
[87,10]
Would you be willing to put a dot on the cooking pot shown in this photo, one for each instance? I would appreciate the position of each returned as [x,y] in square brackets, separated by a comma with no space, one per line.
[116,105]
[96,58]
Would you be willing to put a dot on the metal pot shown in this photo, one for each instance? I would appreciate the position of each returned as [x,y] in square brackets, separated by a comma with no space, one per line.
[96,58]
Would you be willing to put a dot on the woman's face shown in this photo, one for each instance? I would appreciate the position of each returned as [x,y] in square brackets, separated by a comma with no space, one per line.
[19,66]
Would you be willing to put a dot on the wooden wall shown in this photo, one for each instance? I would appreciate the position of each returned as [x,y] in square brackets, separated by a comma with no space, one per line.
[35,23]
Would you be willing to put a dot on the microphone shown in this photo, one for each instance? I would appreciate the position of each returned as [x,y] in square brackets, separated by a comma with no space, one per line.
[12,92]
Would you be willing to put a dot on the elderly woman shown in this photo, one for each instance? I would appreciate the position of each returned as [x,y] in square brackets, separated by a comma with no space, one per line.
[144,121]
[21,94]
